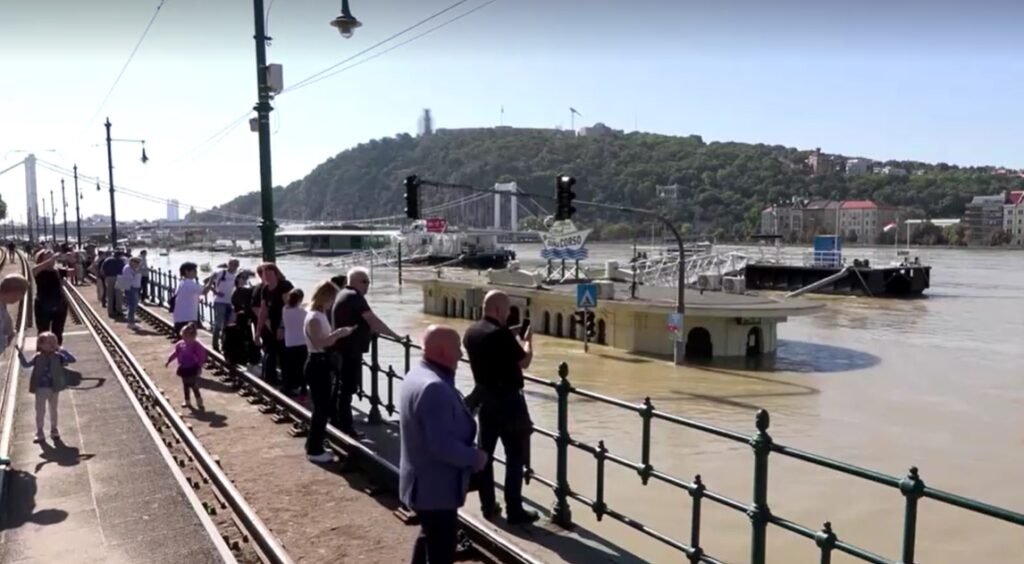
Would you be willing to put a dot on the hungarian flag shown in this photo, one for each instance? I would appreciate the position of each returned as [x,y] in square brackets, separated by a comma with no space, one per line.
[890,227]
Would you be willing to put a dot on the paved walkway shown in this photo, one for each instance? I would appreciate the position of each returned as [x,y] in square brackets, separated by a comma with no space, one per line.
[544,540]
[105,492]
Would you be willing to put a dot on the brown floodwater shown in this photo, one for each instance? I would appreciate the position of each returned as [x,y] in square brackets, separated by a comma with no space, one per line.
[936,382]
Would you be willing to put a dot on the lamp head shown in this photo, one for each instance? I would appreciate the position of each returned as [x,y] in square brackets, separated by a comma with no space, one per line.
[345,22]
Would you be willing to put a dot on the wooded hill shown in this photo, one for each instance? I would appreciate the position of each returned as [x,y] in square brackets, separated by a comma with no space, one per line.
[722,186]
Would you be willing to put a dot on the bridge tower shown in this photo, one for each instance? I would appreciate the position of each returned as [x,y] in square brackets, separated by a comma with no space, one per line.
[513,189]
[31,196]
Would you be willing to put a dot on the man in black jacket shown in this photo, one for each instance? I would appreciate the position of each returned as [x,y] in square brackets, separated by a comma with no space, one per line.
[351,309]
[498,357]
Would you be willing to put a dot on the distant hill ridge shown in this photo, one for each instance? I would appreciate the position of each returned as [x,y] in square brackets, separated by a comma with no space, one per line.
[720,188]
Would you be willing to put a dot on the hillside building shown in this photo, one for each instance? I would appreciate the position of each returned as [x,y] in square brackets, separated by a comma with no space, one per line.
[1013,217]
[983,217]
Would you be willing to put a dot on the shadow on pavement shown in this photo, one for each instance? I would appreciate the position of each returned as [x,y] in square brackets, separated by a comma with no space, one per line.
[21,503]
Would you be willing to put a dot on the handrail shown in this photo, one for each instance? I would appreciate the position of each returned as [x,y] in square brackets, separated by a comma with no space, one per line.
[911,487]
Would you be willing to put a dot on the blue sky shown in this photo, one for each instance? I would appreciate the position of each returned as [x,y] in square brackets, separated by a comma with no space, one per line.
[933,81]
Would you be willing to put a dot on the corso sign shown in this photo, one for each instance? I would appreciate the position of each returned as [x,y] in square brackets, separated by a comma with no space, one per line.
[564,242]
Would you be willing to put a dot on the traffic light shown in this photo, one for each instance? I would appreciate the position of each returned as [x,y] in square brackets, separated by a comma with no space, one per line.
[579,317]
[412,197]
[591,329]
[564,196]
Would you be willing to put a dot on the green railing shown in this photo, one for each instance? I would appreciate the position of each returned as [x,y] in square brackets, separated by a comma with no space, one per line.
[911,487]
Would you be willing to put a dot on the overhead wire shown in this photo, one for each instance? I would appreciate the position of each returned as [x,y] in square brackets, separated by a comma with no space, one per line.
[303,82]
[63,171]
[124,67]
[389,49]
[222,133]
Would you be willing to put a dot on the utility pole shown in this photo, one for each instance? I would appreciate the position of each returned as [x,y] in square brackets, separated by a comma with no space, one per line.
[64,200]
[78,214]
[53,216]
[110,176]
[263,109]
[42,232]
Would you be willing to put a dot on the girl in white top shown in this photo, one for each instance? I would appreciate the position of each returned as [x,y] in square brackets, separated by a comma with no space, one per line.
[318,335]
[293,359]
[186,297]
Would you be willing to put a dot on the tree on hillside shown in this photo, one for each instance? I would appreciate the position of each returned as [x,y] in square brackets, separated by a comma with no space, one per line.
[721,186]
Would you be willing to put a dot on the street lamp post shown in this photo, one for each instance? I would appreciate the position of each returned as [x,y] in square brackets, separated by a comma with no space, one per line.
[346,24]
[78,214]
[263,109]
[64,200]
[110,177]
[42,231]
[53,217]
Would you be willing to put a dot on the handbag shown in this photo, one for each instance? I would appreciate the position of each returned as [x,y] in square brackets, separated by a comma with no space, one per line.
[123,282]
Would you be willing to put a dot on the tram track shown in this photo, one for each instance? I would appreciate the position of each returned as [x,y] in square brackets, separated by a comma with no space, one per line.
[248,538]
[477,542]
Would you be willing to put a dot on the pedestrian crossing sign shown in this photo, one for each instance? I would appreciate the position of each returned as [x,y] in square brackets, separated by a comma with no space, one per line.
[586,296]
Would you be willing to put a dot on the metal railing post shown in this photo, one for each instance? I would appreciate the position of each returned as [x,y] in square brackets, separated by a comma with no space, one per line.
[407,345]
[599,505]
[911,487]
[645,446]
[697,493]
[826,541]
[374,417]
[561,514]
[759,512]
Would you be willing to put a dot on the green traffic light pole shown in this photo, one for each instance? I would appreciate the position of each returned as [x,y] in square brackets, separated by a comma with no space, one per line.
[346,24]
[679,350]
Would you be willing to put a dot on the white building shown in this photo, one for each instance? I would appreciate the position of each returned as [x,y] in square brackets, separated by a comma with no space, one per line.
[172,210]
[1013,217]
[857,167]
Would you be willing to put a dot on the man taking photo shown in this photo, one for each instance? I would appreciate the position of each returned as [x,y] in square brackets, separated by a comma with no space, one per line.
[498,357]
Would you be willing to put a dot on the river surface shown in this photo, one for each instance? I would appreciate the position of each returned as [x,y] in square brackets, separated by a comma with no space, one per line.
[936,383]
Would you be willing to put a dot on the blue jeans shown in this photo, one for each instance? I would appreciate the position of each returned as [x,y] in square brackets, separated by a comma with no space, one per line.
[132,295]
[221,315]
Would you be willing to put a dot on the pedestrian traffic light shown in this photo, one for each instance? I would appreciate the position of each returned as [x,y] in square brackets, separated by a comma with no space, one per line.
[590,327]
[412,197]
[579,318]
[564,195]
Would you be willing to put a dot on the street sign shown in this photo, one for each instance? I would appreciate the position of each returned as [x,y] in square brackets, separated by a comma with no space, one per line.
[564,242]
[437,225]
[586,296]
[675,324]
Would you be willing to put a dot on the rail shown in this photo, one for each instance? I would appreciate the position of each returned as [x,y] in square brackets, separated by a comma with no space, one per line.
[10,391]
[279,405]
[270,549]
[382,395]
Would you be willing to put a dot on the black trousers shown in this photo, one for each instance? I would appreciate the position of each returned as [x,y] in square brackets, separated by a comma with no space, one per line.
[505,419]
[438,537]
[51,317]
[271,356]
[293,362]
[318,376]
[346,382]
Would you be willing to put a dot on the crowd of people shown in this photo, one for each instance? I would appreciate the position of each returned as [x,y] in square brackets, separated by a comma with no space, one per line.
[312,350]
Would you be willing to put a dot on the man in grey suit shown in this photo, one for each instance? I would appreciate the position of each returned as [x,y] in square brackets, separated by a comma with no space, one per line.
[438,452]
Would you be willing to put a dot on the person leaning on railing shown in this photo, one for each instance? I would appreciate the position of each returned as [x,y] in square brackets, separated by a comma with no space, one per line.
[351,309]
